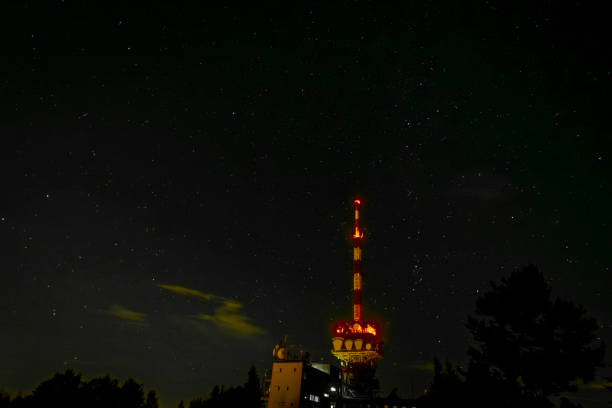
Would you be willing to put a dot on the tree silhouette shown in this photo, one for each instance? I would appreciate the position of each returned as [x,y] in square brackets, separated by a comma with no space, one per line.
[62,390]
[68,390]
[152,400]
[252,387]
[530,346]
[5,400]
[199,402]
[132,394]
[102,392]
[245,396]
[447,387]
[214,394]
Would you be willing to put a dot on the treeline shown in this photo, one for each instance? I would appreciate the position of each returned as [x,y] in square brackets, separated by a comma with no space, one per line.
[244,396]
[529,347]
[70,390]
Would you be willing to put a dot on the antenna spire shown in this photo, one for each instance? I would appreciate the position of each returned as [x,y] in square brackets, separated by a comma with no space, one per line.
[357,238]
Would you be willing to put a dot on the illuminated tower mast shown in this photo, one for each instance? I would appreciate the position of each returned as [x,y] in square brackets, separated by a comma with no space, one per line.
[357,238]
[357,343]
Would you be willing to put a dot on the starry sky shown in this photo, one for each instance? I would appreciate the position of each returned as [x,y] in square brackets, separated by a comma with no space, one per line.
[177,180]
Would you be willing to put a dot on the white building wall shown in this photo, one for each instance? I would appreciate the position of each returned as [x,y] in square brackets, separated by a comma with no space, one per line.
[285,384]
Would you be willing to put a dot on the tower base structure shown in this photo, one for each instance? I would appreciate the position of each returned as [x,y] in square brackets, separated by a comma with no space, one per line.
[358,350]
[296,382]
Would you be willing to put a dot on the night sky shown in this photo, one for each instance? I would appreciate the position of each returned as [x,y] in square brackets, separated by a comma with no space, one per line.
[177,181]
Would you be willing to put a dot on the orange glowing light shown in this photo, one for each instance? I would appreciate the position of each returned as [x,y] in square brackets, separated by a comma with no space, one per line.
[358,234]
[354,328]
[357,201]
